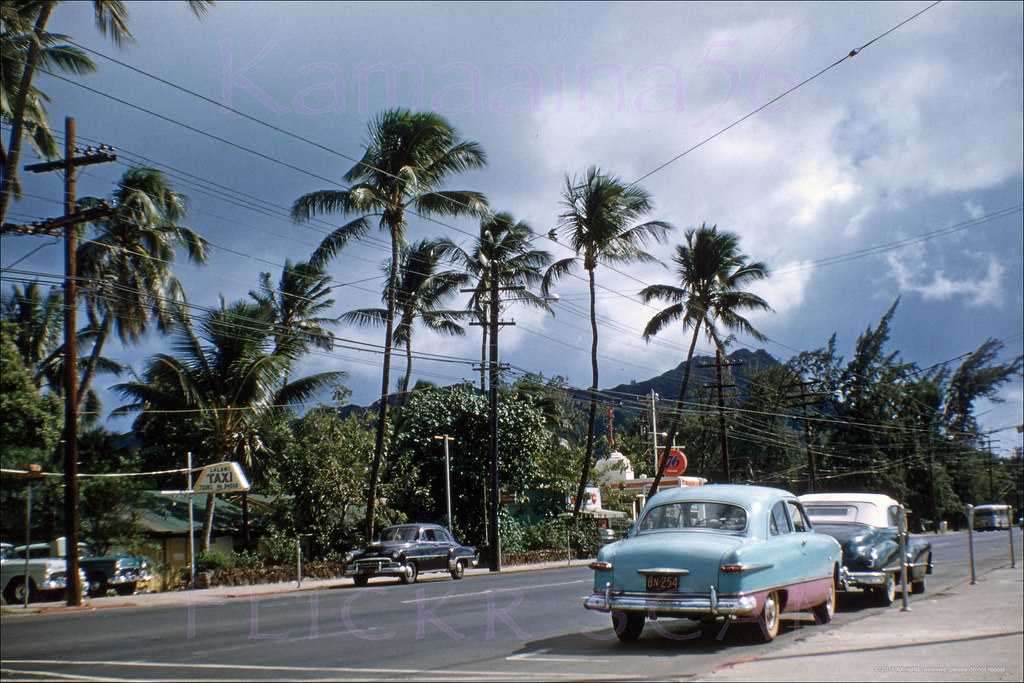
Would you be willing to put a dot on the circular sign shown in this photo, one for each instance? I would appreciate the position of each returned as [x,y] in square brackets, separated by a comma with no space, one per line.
[676,464]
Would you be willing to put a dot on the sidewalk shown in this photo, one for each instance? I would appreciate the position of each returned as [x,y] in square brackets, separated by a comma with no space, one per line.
[966,633]
[182,597]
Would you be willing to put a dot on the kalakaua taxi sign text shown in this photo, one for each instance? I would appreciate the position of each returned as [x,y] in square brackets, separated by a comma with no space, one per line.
[222,477]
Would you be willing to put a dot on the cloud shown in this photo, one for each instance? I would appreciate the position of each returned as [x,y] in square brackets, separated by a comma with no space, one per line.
[986,288]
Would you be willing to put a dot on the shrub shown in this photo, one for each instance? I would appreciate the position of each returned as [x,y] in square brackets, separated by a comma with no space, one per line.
[512,533]
[247,559]
[211,559]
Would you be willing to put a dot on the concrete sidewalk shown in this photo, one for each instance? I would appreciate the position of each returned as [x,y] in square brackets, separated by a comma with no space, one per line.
[966,633]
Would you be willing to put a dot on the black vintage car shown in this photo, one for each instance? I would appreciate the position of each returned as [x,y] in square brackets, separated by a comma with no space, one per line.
[408,550]
[866,526]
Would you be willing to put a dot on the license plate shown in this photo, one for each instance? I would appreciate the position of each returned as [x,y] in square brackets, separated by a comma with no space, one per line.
[662,582]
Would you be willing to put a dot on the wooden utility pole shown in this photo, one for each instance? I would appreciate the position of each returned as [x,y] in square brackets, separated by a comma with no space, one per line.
[494,290]
[68,222]
[804,400]
[723,435]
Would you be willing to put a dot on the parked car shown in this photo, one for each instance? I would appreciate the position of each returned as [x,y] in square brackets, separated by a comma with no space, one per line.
[46,578]
[408,550]
[716,552]
[866,526]
[125,574]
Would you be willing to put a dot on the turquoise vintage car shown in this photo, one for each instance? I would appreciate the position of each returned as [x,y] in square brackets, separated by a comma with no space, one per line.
[717,552]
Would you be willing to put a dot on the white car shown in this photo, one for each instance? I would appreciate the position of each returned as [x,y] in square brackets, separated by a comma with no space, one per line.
[46,577]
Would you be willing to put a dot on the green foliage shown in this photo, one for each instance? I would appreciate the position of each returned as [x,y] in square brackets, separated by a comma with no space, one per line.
[30,426]
[513,533]
[106,507]
[212,559]
[323,474]
[278,547]
[246,559]
[416,475]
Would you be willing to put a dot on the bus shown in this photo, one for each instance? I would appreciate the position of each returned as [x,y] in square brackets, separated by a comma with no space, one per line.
[992,517]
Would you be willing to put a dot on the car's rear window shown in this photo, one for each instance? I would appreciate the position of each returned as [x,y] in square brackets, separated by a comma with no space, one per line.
[695,515]
[831,513]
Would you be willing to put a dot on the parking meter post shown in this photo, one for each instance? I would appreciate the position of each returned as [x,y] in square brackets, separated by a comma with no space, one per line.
[902,530]
[1009,530]
[970,539]
[298,562]
[28,540]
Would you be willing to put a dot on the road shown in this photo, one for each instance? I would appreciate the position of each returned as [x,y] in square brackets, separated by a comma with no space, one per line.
[513,625]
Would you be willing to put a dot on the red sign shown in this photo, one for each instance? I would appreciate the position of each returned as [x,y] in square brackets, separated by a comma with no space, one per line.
[676,463]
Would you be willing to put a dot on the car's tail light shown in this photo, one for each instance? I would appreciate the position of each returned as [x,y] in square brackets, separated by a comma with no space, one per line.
[601,565]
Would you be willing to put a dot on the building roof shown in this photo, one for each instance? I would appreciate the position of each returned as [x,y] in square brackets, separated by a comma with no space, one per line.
[166,514]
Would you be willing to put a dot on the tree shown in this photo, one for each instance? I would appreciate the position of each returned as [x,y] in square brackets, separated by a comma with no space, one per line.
[29,22]
[509,244]
[323,472]
[407,161]
[600,224]
[711,271]
[228,377]
[38,328]
[297,302]
[30,428]
[420,291]
[15,45]
[127,264]
[108,504]
[417,474]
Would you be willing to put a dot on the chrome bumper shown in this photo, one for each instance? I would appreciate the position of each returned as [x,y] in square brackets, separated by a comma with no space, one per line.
[672,605]
[874,578]
[375,567]
[130,577]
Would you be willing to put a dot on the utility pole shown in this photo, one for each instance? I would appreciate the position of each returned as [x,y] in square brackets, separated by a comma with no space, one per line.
[721,362]
[654,429]
[494,501]
[447,438]
[70,219]
[803,400]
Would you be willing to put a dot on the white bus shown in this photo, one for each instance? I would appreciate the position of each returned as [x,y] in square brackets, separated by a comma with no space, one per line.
[992,517]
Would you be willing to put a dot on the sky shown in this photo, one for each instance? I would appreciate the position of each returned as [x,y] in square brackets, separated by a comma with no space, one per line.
[895,173]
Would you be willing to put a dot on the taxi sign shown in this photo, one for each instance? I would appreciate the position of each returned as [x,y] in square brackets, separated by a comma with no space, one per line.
[222,477]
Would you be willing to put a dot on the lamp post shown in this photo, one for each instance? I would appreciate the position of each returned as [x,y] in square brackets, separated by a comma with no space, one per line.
[447,475]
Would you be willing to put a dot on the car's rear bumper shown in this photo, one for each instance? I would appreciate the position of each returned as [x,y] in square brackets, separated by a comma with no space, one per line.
[711,605]
[861,579]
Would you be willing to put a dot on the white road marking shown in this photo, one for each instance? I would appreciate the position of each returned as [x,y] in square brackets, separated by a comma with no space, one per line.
[493,590]
[355,671]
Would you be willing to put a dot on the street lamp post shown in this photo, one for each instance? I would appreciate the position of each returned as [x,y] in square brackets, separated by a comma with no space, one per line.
[447,475]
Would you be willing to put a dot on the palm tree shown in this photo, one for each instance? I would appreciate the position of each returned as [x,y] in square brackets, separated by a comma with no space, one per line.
[407,160]
[599,222]
[127,265]
[712,271]
[229,377]
[29,19]
[421,289]
[39,325]
[15,44]
[39,321]
[297,301]
[508,243]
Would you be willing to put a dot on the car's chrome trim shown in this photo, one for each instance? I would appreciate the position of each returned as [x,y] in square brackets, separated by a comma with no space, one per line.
[863,578]
[662,605]
[663,571]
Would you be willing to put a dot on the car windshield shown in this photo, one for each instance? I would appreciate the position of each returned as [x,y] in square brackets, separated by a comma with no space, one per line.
[399,533]
[695,515]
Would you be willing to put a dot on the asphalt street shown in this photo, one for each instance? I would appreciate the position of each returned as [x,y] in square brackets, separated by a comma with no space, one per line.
[526,623]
